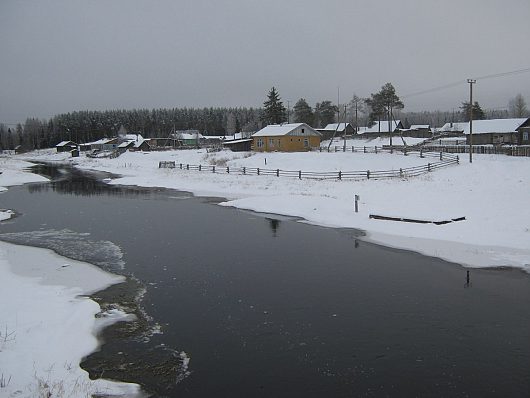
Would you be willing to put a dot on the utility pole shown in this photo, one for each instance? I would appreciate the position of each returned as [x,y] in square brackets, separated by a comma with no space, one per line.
[471,82]
[338,104]
[344,135]
[288,111]
[389,110]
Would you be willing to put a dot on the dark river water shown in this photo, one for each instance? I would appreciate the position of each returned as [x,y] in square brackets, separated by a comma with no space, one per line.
[269,307]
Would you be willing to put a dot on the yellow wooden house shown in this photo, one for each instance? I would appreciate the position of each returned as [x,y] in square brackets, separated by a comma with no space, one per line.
[292,137]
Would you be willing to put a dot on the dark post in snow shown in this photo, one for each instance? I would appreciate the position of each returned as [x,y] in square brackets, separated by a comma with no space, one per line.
[356,203]
[471,82]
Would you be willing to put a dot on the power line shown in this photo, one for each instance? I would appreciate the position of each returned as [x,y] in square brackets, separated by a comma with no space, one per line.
[454,84]
[513,72]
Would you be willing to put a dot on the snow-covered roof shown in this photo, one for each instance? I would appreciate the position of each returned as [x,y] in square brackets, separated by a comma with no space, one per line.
[101,141]
[495,126]
[189,136]
[125,144]
[230,142]
[419,126]
[383,129]
[139,142]
[333,126]
[458,126]
[276,130]
[132,137]
[64,143]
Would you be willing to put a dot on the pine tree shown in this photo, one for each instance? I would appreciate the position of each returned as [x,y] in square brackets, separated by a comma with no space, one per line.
[326,113]
[303,112]
[383,103]
[273,109]
[478,113]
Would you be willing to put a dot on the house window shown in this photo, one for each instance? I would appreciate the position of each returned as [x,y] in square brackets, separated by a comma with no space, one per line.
[302,131]
[525,136]
[260,142]
[306,142]
[271,142]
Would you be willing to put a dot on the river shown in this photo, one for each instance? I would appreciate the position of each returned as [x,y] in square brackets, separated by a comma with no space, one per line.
[266,306]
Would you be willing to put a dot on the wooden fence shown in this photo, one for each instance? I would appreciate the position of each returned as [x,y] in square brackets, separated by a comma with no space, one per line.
[440,160]
[481,149]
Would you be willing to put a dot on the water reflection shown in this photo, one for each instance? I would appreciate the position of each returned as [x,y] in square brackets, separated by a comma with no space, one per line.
[468,282]
[70,181]
[274,224]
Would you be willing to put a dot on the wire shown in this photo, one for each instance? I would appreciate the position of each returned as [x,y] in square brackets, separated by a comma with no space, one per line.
[455,84]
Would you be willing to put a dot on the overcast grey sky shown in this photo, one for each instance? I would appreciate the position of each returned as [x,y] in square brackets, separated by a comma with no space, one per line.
[64,55]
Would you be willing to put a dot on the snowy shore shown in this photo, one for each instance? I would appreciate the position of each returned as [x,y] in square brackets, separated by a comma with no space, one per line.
[46,324]
[492,194]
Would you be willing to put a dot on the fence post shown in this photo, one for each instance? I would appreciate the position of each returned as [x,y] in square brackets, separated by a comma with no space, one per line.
[187,166]
[200,167]
[440,155]
[244,170]
[421,153]
[401,173]
[340,175]
[213,169]
[299,174]
[352,149]
[277,172]
[364,148]
[335,148]
[181,166]
[376,149]
[368,174]
[320,149]
[405,151]
[457,159]
[258,170]
[227,170]
[428,167]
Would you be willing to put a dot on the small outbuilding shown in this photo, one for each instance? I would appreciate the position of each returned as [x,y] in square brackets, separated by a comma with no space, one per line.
[337,129]
[292,137]
[66,146]
[241,145]
[381,128]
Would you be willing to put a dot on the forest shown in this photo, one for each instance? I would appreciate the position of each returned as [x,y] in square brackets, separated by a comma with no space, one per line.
[88,126]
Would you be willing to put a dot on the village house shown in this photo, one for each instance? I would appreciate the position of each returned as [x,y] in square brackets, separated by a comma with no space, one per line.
[66,146]
[380,128]
[337,129]
[417,131]
[499,131]
[104,144]
[293,137]
[189,137]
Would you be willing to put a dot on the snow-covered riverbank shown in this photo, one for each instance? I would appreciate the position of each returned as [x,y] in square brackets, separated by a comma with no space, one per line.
[492,193]
[47,326]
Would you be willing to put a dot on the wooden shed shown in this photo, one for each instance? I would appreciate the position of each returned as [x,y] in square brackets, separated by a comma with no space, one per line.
[66,146]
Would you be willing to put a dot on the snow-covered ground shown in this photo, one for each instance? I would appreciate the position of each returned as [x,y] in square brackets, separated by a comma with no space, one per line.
[46,325]
[492,193]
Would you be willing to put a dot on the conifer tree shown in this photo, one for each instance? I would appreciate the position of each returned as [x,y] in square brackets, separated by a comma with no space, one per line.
[273,109]
[303,112]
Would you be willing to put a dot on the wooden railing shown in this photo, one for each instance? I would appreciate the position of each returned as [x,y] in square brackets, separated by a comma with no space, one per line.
[439,160]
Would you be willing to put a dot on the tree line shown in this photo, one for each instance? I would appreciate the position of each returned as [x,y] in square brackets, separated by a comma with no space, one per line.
[87,126]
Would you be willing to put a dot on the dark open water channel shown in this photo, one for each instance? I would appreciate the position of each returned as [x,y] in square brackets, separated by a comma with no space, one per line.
[268,307]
